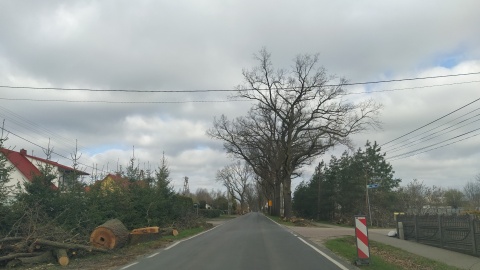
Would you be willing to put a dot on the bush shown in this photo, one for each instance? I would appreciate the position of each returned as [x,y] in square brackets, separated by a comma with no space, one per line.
[209,213]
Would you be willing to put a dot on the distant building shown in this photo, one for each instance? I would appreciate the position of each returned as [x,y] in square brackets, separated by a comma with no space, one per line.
[26,167]
[115,182]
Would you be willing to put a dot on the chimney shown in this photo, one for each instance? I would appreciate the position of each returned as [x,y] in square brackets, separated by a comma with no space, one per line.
[23,152]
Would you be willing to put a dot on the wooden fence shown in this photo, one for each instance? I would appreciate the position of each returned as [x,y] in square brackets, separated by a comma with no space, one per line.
[457,233]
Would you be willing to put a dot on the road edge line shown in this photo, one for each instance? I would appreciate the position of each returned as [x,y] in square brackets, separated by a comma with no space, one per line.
[310,245]
[324,254]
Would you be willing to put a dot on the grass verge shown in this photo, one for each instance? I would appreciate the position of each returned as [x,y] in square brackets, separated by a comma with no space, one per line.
[384,256]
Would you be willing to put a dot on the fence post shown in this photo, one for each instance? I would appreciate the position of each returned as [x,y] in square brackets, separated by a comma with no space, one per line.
[401,233]
[440,223]
[415,222]
[472,232]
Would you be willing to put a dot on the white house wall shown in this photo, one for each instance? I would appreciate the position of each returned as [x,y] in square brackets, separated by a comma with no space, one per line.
[39,164]
[16,177]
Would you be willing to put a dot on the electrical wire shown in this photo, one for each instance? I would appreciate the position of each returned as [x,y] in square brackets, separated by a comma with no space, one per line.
[419,149]
[407,142]
[406,156]
[125,102]
[229,90]
[214,101]
[431,138]
[438,119]
[45,149]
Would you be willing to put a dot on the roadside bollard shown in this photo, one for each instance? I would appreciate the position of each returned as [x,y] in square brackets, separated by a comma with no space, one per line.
[361,234]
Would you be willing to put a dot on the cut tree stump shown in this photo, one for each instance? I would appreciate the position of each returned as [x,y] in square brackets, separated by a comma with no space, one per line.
[62,256]
[110,235]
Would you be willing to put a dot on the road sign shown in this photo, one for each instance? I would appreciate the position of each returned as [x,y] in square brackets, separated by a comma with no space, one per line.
[361,235]
[373,186]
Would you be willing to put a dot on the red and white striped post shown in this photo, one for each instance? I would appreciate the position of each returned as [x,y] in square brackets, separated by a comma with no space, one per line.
[361,234]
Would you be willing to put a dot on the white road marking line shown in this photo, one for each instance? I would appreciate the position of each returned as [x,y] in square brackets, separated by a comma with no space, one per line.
[172,245]
[176,243]
[125,267]
[324,255]
[153,255]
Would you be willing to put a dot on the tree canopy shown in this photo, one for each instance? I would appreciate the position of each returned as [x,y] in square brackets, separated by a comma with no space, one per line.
[337,191]
[299,114]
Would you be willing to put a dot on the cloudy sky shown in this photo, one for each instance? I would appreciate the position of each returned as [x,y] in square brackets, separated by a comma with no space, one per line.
[198,45]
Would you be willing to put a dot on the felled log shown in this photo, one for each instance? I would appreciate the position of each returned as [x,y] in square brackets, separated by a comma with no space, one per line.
[18,247]
[169,231]
[62,257]
[33,246]
[49,243]
[47,256]
[110,235]
[145,230]
[18,255]
[10,239]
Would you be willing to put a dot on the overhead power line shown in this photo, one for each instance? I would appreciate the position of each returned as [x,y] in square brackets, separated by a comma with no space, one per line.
[413,79]
[45,149]
[428,150]
[214,101]
[431,136]
[407,141]
[406,134]
[126,102]
[228,90]
[411,88]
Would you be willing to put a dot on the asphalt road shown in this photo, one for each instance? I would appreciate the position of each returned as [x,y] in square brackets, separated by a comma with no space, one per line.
[251,241]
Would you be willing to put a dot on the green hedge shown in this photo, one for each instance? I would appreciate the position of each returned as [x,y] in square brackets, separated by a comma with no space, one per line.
[209,213]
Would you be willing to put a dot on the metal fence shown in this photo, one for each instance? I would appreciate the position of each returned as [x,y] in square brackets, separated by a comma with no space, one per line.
[457,233]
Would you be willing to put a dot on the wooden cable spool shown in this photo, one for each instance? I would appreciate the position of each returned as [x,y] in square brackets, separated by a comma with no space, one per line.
[110,235]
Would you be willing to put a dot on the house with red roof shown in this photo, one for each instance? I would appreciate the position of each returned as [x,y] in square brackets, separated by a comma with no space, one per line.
[26,167]
[116,182]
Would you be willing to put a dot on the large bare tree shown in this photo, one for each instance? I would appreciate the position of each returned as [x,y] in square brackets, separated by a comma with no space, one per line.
[237,178]
[299,114]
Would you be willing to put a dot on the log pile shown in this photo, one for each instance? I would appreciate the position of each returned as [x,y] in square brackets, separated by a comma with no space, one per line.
[16,251]
[113,234]
[141,235]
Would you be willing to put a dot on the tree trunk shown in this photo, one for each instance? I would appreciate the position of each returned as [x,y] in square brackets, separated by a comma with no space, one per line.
[276,199]
[287,198]
[110,235]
